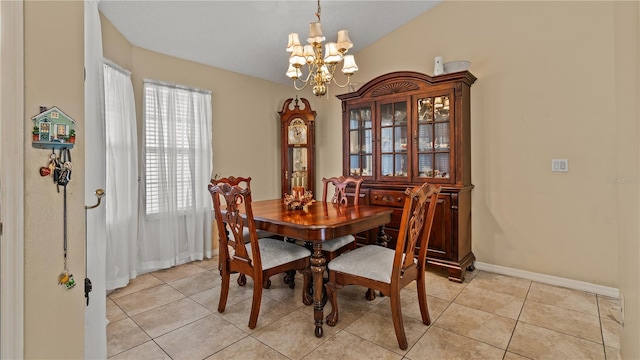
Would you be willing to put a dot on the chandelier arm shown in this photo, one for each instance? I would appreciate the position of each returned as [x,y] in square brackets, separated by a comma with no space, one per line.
[295,84]
[345,85]
[311,70]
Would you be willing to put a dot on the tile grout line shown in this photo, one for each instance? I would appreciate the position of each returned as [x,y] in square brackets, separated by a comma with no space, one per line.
[143,330]
[518,320]
[463,335]
[560,332]
[604,346]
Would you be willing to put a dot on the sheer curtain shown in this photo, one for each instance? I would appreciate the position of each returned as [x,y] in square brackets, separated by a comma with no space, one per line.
[175,206]
[122,177]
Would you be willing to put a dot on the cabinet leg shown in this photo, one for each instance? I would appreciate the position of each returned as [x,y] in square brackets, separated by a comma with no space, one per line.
[455,270]
[456,275]
[471,267]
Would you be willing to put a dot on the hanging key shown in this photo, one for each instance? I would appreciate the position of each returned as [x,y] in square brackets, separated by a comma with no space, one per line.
[66,280]
[87,289]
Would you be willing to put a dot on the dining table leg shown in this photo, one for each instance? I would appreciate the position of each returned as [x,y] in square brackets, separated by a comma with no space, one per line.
[318,266]
[382,238]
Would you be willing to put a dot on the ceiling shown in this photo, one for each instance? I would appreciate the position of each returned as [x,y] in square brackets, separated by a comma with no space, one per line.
[249,37]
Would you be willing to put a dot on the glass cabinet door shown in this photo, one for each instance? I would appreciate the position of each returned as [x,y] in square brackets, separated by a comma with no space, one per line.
[394,161]
[360,142]
[433,137]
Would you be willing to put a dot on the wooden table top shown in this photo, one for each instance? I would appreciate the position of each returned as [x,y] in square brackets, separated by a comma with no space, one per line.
[319,221]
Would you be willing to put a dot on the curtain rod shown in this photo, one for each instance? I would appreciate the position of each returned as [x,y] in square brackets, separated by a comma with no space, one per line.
[117,67]
[177,86]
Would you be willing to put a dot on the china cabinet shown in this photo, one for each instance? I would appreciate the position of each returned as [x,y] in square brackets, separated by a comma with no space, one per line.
[297,128]
[405,128]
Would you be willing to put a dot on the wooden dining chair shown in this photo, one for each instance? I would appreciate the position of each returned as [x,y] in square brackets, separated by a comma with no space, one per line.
[258,258]
[334,247]
[246,182]
[388,270]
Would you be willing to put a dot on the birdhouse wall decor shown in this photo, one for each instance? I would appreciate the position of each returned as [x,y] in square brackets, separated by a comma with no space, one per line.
[53,129]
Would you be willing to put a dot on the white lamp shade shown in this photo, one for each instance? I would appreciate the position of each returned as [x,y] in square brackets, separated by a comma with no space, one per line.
[293,73]
[315,33]
[294,40]
[297,56]
[344,43]
[309,54]
[349,66]
[332,56]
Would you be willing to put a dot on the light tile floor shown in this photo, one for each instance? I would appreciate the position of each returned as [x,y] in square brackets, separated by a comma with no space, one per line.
[172,314]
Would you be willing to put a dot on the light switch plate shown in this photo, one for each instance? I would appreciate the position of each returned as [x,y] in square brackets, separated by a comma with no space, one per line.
[561,165]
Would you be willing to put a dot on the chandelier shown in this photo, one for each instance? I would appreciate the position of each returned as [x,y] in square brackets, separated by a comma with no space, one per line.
[321,66]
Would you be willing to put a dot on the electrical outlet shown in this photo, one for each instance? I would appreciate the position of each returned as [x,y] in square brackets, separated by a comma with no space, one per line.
[561,165]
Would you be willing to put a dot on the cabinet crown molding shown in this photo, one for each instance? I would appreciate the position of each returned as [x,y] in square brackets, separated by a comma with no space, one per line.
[395,88]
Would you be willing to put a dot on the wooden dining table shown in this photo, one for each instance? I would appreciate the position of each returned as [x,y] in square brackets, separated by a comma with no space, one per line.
[315,223]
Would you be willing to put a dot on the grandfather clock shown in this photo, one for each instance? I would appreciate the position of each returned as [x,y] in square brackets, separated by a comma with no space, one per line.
[297,129]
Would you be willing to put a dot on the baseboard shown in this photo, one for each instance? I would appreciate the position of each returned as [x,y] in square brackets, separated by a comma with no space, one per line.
[550,280]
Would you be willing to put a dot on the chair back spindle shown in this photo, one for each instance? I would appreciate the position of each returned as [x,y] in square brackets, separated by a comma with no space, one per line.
[232,180]
[231,196]
[415,227]
[340,185]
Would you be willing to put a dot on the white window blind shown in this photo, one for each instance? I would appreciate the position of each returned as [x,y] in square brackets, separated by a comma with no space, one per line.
[173,121]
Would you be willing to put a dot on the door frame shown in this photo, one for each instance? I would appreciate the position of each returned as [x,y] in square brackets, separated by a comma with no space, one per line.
[12,200]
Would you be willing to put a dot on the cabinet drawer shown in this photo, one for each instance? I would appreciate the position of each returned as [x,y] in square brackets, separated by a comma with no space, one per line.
[387,198]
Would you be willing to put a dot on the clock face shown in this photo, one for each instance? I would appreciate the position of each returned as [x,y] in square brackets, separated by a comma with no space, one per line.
[297,132]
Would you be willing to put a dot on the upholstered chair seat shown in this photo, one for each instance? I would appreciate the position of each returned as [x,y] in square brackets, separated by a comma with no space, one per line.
[276,252]
[337,243]
[358,262]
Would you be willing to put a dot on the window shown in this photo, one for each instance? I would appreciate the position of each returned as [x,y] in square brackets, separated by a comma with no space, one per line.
[61,131]
[174,119]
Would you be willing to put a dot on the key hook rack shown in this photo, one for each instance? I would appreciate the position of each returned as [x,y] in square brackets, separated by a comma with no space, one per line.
[53,129]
